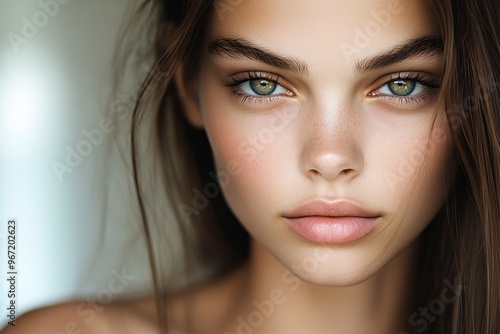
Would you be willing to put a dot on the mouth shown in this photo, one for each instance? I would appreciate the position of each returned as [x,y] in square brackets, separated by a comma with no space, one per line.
[333,222]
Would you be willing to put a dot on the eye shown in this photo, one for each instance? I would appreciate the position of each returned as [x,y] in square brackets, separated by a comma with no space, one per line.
[408,88]
[402,87]
[257,86]
[262,87]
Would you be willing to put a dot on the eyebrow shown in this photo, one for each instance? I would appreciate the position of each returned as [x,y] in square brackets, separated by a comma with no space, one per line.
[237,48]
[425,46]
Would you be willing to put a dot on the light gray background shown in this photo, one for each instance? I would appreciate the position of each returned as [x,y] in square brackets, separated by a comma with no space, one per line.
[51,89]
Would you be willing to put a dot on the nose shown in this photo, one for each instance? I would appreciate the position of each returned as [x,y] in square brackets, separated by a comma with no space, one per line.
[331,145]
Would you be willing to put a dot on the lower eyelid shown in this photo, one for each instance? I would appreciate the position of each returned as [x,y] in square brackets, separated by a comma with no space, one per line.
[250,99]
[426,86]
[423,98]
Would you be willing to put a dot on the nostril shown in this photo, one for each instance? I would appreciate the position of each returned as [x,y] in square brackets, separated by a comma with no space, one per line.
[330,161]
[331,174]
[314,172]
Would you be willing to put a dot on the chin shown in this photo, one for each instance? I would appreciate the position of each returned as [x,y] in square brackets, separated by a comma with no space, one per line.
[334,275]
[326,267]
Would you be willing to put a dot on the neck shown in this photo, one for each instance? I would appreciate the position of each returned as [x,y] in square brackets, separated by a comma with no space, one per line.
[278,301]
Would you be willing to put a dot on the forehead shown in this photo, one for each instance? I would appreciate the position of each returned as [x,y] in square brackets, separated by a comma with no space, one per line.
[324,31]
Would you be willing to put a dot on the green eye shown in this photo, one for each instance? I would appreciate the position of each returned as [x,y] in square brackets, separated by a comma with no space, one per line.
[402,87]
[262,86]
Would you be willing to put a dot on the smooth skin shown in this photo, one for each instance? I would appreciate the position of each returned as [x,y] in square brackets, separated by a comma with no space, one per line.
[329,122]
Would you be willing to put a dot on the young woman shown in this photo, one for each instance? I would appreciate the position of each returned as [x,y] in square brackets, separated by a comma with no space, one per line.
[328,167]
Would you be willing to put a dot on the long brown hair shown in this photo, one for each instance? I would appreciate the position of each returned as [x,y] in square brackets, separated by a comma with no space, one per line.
[191,233]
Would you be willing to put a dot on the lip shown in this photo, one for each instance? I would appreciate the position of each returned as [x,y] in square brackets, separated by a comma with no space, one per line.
[336,222]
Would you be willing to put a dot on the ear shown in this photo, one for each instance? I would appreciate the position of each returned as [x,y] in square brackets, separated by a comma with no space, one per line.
[186,88]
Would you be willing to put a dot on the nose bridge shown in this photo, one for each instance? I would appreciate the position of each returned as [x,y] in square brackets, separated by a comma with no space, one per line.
[331,140]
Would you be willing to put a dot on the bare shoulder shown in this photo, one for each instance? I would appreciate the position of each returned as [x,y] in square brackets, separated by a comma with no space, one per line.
[82,317]
[207,304]
[51,319]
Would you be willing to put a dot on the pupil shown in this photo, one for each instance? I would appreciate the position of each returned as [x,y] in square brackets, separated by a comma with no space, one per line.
[402,87]
[262,87]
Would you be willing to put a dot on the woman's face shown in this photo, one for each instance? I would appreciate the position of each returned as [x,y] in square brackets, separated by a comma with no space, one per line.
[322,114]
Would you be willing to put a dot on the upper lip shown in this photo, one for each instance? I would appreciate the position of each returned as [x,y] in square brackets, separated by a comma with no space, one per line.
[331,208]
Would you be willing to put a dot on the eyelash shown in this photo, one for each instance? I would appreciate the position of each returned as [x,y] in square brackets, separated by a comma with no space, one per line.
[419,78]
[237,92]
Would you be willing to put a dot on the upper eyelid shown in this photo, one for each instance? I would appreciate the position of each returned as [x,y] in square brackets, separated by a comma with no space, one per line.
[252,75]
[427,79]
[408,75]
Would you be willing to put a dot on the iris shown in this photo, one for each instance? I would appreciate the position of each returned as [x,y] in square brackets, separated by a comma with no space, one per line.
[262,86]
[402,87]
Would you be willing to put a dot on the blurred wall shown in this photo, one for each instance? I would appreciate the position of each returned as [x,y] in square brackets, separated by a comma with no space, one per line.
[55,59]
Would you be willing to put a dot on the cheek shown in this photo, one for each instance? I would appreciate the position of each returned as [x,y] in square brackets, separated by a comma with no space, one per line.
[254,149]
[254,178]
[417,177]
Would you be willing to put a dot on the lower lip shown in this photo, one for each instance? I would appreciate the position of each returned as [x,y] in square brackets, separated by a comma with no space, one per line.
[334,230]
